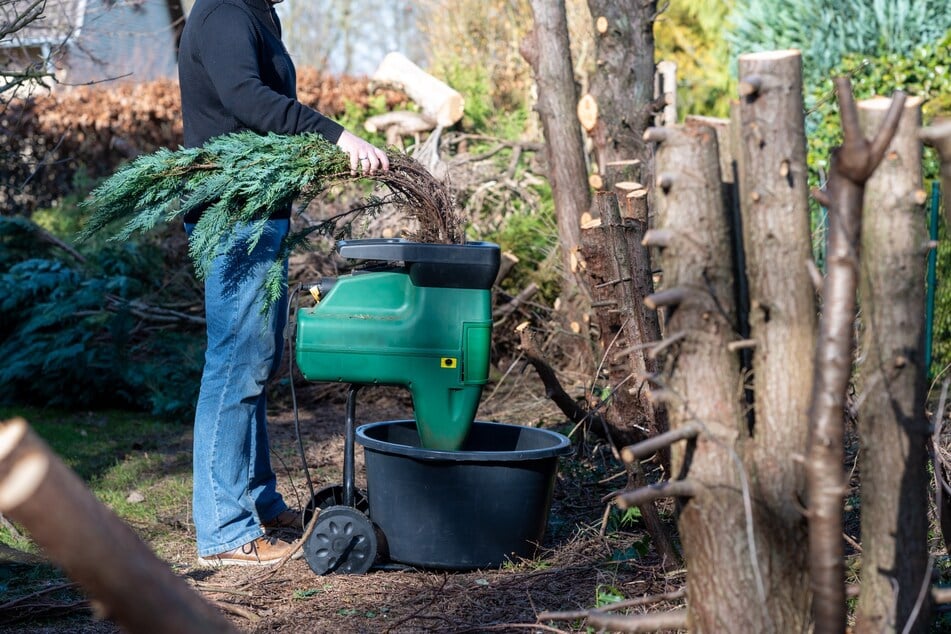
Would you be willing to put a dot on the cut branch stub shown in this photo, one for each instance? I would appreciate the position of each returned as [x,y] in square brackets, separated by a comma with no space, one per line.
[660,238]
[667,297]
[750,86]
[669,489]
[650,446]
[588,112]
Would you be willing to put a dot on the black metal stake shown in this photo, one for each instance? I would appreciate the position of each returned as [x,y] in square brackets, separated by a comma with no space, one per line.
[350,436]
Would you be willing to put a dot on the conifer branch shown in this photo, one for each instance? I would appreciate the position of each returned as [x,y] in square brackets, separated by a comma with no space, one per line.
[244,178]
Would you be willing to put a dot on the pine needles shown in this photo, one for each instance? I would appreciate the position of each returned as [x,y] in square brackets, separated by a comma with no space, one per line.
[243,178]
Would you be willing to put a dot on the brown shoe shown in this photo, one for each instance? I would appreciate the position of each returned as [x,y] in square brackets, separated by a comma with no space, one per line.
[289,518]
[263,551]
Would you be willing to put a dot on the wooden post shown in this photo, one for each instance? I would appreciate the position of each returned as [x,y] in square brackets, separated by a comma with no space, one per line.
[665,89]
[126,581]
[893,427]
[938,135]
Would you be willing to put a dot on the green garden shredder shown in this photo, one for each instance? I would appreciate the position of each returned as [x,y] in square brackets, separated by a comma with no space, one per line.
[419,316]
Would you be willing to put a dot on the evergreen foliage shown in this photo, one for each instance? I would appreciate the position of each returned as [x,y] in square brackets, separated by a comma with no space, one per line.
[826,30]
[68,333]
[236,178]
[245,177]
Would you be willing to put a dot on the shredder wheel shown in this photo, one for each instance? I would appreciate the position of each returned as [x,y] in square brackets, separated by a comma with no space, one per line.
[343,541]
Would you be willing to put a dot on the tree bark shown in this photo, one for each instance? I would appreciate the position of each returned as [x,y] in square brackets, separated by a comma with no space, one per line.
[557,100]
[127,582]
[702,377]
[622,87]
[893,427]
[774,206]
[851,166]
[774,199]
[618,274]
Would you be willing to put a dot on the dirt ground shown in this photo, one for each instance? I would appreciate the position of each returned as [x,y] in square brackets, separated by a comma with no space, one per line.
[576,564]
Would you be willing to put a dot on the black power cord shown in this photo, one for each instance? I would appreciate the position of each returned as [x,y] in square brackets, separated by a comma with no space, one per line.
[289,332]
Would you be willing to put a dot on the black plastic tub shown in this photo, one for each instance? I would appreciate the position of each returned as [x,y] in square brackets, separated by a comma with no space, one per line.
[461,510]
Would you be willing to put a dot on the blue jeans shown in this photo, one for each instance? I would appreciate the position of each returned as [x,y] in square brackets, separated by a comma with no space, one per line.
[234,485]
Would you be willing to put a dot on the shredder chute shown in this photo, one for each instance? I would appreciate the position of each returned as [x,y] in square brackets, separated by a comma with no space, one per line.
[420,317]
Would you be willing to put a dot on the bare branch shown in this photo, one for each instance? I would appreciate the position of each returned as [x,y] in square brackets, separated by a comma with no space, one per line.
[668,297]
[673,620]
[889,127]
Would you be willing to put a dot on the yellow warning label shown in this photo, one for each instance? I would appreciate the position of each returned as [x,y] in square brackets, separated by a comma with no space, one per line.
[448,362]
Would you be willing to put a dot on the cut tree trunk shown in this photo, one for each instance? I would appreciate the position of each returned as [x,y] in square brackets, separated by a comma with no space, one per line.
[547,50]
[126,581]
[893,427]
[774,204]
[774,201]
[622,89]
[617,271]
[852,165]
[618,274]
[701,384]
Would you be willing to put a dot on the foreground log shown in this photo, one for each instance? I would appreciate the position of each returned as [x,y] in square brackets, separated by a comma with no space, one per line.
[437,100]
[851,166]
[893,427]
[126,581]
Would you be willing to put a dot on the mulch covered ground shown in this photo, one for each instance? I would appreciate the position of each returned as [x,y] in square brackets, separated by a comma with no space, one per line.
[577,564]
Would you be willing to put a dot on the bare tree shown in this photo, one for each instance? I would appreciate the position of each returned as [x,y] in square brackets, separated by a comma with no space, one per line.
[19,70]
[338,36]
[546,48]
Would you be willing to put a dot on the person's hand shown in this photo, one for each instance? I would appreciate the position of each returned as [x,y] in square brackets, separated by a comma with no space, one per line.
[364,156]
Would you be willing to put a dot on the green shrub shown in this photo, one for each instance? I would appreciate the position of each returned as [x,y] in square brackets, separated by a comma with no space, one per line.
[71,335]
[826,31]
[923,72]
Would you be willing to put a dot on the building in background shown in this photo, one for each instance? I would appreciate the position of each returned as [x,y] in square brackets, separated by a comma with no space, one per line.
[78,42]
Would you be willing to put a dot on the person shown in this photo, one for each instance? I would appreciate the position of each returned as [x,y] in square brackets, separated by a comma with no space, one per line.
[235,74]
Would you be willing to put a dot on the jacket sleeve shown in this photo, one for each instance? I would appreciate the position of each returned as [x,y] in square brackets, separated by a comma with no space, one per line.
[228,52]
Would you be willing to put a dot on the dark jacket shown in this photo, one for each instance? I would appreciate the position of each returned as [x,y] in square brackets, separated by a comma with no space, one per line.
[235,74]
